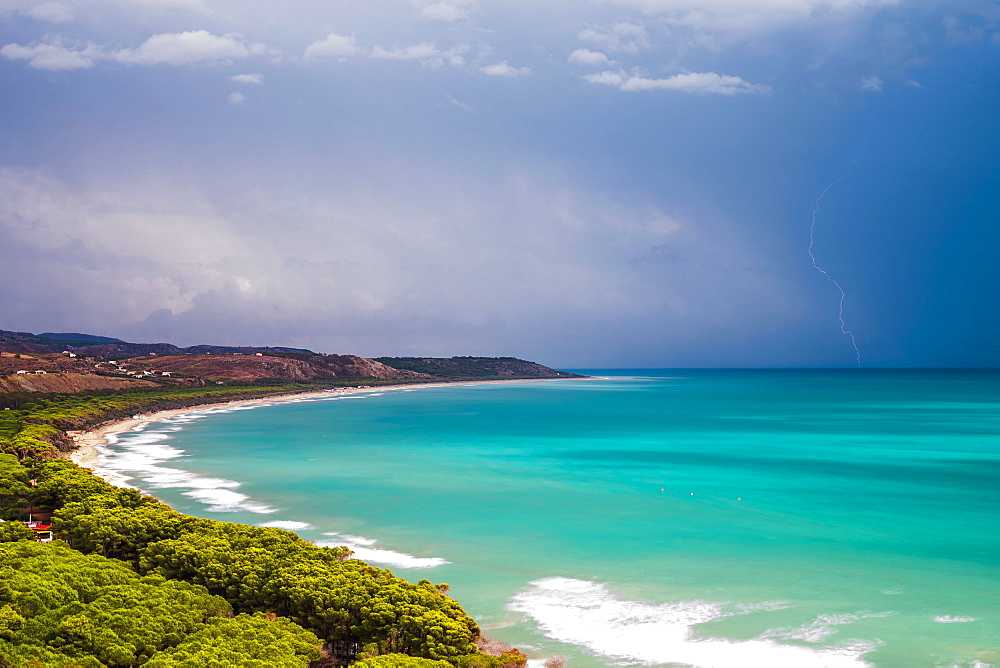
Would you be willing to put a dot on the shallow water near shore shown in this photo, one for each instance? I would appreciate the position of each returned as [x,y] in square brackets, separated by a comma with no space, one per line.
[668,517]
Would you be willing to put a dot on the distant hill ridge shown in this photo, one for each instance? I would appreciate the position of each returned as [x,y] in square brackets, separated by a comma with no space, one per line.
[37,363]
[475,368]
[76,336]
[90,344]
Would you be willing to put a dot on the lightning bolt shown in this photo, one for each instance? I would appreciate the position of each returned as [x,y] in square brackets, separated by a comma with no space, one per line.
[826,275]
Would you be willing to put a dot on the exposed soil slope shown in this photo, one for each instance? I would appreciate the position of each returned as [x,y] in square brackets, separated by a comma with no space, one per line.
[11,363]
[67,383]
[250,368]
[168,365]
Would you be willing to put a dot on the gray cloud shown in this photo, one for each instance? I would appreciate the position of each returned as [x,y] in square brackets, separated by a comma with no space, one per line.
[334,46]
[57,11]
[871,84]
[451,266]
[446,10]
[502,69]
[351,206]
[53,55]
[628,37]
[464,106]
[255,78]
[186,48]
[588,57]
[693,82]
[748,15]
[425,52]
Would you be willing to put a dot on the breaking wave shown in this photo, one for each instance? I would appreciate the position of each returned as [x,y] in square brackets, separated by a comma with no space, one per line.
[631,632]
[291,525]
[363,549]
[142,455]
[820,628]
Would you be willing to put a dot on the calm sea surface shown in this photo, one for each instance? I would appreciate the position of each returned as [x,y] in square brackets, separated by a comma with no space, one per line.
[664,517]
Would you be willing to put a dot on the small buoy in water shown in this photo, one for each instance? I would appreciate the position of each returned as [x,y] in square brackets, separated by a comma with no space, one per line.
[661,489]
[740,499]
[692,493]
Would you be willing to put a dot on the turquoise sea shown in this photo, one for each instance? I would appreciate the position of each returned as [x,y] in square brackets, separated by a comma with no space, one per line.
[654,517]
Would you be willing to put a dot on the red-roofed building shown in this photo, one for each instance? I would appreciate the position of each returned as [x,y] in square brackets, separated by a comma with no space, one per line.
[43,532]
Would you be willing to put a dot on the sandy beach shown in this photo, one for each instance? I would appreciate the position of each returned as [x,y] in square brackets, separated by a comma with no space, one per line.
[86,452]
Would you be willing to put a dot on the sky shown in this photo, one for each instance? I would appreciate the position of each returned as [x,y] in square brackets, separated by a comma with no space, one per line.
[596,183]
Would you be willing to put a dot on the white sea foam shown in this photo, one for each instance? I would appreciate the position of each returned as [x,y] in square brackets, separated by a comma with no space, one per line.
[764,606]
[227,501]
[820,628]
[950,619]
[355,540]
[291,525]
[341,397]
[362,548]
[141,455]
[586,614]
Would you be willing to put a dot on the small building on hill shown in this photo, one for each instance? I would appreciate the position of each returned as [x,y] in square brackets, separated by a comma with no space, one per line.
[43,531]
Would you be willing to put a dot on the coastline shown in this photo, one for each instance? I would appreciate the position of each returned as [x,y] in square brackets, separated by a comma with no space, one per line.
[562,592]
[85,452]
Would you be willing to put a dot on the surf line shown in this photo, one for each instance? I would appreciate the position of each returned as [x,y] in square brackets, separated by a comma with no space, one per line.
[826,275]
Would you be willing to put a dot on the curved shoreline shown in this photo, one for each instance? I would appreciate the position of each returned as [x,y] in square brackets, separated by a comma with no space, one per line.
[86,442]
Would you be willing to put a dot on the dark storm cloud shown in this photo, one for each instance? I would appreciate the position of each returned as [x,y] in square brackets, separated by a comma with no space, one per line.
[625,183]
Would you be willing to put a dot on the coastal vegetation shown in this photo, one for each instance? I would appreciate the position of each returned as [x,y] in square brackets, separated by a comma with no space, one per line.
[34,425]
[132,582]
[129,581]
[62,607]
[474,368]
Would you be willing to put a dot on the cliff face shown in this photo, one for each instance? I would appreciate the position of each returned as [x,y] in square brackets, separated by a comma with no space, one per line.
[239,368]
[67,383]
[351,366]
